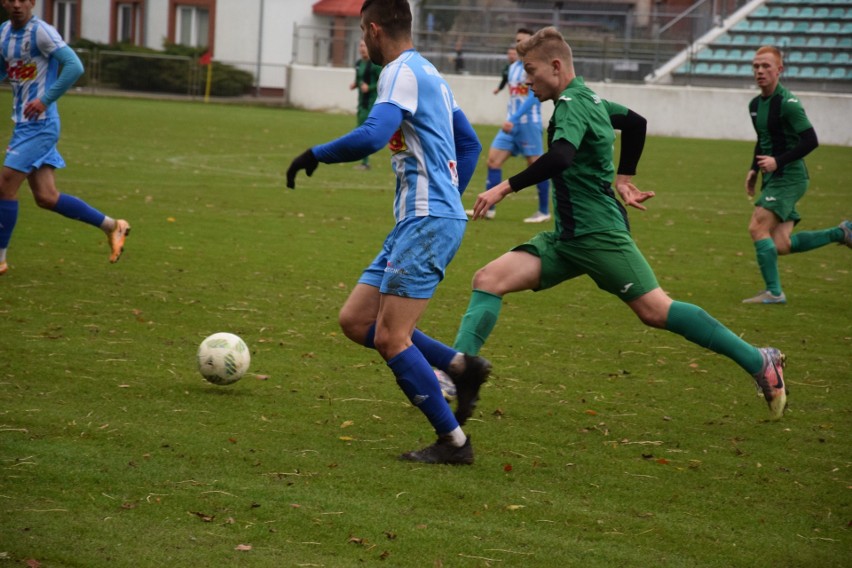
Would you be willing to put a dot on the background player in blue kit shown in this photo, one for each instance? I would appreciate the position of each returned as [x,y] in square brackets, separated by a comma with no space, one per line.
[521,134]
[434,152]
[31,52]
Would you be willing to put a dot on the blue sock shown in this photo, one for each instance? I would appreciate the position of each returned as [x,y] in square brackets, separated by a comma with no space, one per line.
[495,176]
[8,218]
[417,380]
[436,353]
[77,209]
[543,196]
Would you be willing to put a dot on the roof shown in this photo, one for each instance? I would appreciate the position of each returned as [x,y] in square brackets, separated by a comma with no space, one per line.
[351,8]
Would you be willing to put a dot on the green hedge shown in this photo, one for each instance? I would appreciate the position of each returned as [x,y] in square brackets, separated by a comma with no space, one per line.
[142,69]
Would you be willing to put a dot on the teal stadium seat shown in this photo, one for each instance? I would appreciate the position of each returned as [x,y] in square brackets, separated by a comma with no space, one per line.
[838,13]
[832,28]
[730,69]
[776,12]
[791,12]
[787,27]
[817,28]
[841,58]
[810,57]
[795,57]
[821,13]
[715,69]
[801,27]
[799,41]
[806,13]
[814,41]
[847,28]
[735,54]
[825,58]
[838,73]
[844,42]
[807,73]
[830,42]
[823,73]
[761,12]
[723,40]
[772,26]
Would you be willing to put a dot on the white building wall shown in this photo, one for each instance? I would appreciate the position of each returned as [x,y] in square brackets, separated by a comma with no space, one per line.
[683,112]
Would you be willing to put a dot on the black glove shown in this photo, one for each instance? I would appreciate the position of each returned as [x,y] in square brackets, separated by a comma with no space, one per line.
[304,161]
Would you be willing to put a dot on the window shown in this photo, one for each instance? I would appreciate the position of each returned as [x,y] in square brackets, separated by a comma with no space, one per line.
[65,20]
[128,23]
[193,26]
[192,23]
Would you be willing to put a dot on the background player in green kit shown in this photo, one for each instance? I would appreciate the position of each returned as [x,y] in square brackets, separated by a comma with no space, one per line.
[784,137]
[366,81]
[592,235]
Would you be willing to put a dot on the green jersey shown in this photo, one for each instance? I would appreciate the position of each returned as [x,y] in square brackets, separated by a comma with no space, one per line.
[367,72]
[584,202]
[778,119]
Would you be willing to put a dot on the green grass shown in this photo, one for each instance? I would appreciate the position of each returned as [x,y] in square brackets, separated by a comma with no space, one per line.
[599,442]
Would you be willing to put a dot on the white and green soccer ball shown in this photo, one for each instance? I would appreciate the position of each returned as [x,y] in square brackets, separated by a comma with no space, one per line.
[223,358]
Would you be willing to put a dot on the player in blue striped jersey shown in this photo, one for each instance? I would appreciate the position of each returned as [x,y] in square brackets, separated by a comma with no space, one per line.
[520,134]
[434,152]
[31,52]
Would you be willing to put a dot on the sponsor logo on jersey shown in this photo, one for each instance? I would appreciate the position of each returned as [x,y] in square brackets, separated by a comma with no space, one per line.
[626,287]
[520,89]
[770,198]
[397,142]
[21,71]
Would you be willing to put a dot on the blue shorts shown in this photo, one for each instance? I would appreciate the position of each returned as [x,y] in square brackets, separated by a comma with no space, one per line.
[33,145]
[524,140]
[414,256]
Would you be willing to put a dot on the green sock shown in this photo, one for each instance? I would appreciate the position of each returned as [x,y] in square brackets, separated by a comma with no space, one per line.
[809,240]
[478,322]
[767,260]
[699,327]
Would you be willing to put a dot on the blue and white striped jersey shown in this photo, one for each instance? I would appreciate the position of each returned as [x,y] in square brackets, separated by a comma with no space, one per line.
[518,93]
[423,148]
[27,63]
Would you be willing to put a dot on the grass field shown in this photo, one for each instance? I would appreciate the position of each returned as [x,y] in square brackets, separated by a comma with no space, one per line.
[599,442]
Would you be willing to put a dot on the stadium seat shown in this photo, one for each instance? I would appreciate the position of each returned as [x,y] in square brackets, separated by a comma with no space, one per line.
[838,73]
[822,73]
[838,13]
[787,27]
[723,40]
[841,58]
[715,69]
[761,12]
[730,69]
[795,57]
[799,41]
[801,27]
[791,12]
[817,28]
[772,26]
[825,58]
[807,73]
[776,12]
[821,13]
[810,57]
[832,28]
[847,28]
[844,42]
[830,42]
[806,13]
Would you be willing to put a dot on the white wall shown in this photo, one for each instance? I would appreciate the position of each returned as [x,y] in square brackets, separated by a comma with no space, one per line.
[684,112]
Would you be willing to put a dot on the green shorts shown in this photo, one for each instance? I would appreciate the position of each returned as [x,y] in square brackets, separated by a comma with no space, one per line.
[612,260]
[780,196]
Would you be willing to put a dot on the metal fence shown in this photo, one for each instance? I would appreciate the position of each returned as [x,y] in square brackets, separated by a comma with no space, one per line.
[177,75]
[611,41]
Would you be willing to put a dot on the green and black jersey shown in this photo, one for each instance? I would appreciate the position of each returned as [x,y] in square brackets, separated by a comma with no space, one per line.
[779,121]
[584,201]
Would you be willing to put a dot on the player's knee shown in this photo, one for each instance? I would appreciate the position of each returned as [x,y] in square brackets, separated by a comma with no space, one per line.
[45,201]
[353,328]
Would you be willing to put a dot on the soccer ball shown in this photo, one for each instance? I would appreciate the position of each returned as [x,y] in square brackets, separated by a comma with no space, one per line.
[223,358]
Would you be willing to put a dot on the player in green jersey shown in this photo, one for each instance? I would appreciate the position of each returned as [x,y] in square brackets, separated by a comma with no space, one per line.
[592,235]
[784,137]
[366,81]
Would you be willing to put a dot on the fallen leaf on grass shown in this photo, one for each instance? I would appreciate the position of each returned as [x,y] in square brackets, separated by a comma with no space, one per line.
[243,547]
[514,507]
[203,516]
